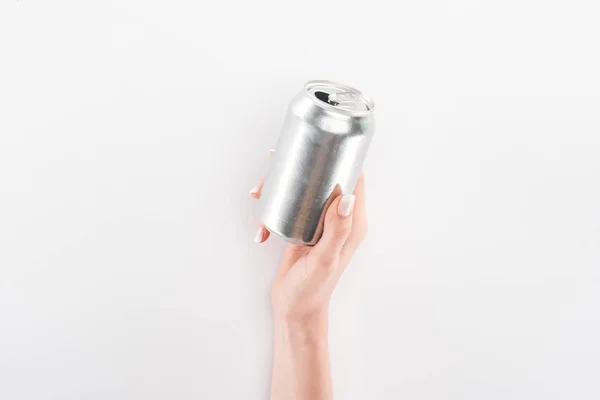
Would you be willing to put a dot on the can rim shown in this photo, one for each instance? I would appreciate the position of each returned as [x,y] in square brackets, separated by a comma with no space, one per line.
[365,99]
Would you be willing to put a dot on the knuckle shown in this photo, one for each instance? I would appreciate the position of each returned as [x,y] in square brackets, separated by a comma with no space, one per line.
[356,238]
[361,232]
[364,231]
[343,231]
[339,229]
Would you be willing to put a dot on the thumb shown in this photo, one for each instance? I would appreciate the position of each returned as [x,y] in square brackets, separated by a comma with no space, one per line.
[337,228]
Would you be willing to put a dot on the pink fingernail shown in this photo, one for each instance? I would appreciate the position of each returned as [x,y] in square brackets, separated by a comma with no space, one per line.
[259,235]
[346,205]
[254,191]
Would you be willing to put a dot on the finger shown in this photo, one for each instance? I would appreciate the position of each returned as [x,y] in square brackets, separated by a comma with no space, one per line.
[256,190]
[337,228]
[359,220]
[262,234]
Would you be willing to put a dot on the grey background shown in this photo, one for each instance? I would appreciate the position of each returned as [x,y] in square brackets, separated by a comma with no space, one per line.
[131,132]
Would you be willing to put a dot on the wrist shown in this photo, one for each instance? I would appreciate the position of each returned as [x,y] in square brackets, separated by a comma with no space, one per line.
[312,327]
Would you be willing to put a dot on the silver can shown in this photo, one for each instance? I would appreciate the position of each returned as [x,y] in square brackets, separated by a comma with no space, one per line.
[319,155]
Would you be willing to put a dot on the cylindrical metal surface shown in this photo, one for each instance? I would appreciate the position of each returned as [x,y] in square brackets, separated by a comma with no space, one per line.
[319,156]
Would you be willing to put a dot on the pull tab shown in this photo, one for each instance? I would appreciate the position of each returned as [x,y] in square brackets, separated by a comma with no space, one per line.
[343,98]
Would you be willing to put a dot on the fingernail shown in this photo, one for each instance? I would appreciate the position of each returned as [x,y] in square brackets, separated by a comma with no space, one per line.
[271,152]
[259,235]
[254,191]
[346,205]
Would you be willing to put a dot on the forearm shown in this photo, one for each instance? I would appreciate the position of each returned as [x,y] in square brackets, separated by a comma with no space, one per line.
[301,369]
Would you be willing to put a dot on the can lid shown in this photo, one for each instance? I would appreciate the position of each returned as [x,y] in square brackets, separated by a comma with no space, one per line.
[340,97]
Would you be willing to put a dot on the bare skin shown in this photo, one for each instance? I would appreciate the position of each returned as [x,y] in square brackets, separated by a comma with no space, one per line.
[300,299]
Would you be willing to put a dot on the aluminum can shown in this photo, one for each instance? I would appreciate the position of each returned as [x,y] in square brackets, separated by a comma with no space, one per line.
[319,155]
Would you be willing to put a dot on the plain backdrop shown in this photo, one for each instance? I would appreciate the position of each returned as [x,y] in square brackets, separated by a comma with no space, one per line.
[131,132]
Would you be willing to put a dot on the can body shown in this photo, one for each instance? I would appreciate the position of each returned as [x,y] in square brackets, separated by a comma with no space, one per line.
[319,155]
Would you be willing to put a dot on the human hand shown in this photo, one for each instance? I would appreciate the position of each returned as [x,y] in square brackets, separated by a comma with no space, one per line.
[307,275]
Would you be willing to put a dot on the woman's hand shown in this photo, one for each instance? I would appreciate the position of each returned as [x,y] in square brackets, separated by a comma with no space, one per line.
[300,298]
